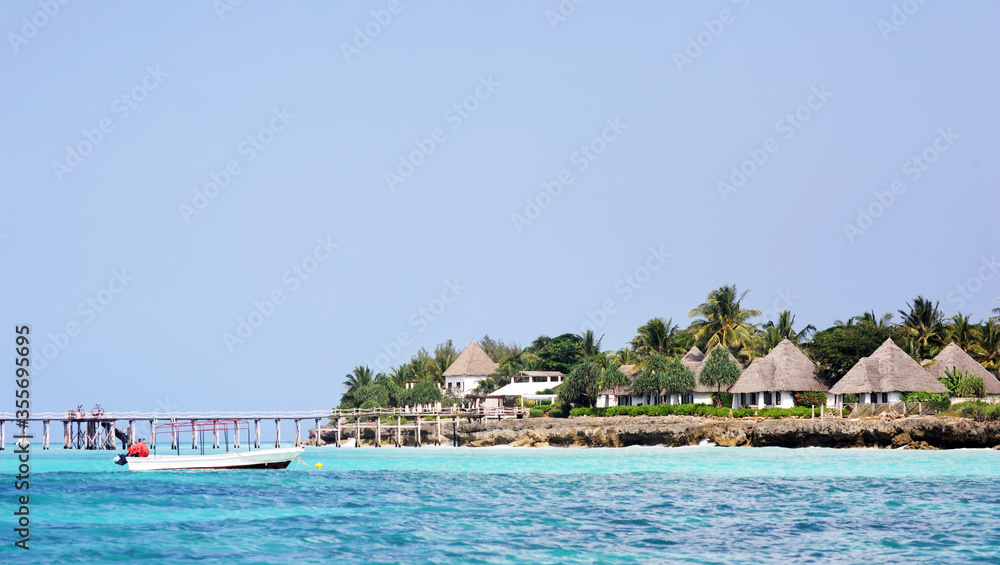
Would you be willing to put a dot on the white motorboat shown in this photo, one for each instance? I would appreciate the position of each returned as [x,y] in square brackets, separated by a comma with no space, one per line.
[258,459]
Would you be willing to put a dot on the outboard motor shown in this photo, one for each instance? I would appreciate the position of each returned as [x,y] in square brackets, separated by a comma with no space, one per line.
[121,459]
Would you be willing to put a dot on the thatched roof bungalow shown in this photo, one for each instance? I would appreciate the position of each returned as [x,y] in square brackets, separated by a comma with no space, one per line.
[471,366]
[884,377]
[770,381]
[695,360]
[953,357]
[620,395]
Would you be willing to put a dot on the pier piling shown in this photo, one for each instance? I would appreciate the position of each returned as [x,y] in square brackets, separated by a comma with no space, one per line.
[298,431]
[67,435]
[256,434]
[277,433]
[45,434]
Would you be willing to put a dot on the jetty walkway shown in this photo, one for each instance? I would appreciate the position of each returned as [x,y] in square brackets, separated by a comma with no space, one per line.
[100,431]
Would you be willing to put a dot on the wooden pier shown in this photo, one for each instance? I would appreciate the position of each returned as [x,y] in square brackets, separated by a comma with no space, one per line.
[395,426]
[403,426]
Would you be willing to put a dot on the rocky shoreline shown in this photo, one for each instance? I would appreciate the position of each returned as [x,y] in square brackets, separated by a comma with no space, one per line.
[623,431]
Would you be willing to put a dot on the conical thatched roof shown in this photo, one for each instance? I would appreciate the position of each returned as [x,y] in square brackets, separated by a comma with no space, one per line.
[785,368]
[953,357]
[889,369]
[629,371]
[695,360]
[473,362]
[694,355]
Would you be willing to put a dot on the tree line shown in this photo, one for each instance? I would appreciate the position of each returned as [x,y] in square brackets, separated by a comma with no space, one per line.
[720,324]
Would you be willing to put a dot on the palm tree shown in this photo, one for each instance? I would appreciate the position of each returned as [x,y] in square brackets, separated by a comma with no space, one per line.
[589,345]
[719,370]
[625,356]
[356,380]
[656,336]
[648,382]
[784,326]
[867,319]
[676,378]
[925,322]
[611,378]
[723,321]
[767,339]
[961,331]
[987,351]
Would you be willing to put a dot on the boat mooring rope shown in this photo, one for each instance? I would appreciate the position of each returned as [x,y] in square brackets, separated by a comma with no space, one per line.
[317,466]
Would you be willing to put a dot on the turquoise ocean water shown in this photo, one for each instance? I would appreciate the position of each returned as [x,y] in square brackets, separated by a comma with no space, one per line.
[519,505]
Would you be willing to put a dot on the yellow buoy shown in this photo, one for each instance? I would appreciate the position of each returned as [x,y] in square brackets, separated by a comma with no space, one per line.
[319,465]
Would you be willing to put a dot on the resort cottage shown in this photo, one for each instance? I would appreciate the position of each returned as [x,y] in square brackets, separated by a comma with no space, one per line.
[621,396]
[884,377]
[694,359]
[472,366]
[770,381]
[953,357]
[528,385]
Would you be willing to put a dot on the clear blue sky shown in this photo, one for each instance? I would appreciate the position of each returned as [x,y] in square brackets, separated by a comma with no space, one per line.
[310,118]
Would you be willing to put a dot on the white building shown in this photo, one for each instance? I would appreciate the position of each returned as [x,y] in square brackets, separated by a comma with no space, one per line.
[884,377]
[471,366]
[770,381]
[527,385]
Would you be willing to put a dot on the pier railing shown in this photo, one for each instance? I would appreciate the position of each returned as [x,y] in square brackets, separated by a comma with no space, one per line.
[406,411]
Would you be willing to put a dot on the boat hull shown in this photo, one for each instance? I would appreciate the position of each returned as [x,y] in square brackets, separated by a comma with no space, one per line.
[260,459]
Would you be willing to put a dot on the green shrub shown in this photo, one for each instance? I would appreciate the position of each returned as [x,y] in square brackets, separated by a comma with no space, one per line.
[810,398]
[937,402]
[850,398]
[723,399]
[979,411]
[962,384]
[691,410]
[800,411]
[536,412]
